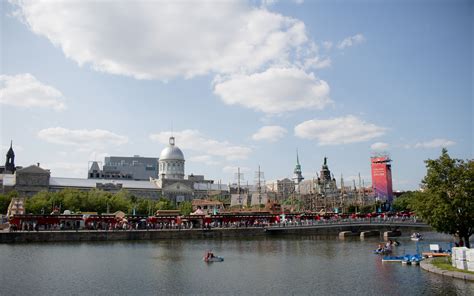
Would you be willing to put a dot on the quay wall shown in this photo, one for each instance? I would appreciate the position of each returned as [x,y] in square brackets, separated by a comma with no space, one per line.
[101,235]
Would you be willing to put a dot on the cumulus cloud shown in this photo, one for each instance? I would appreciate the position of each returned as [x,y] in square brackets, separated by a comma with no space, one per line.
[317,63]
[341,130]
[82,138]
[327,45]
[378,146]
[435,143]
[194,140]
[165,39]
[24,90]
[275,91]
[350,41]
[271,133]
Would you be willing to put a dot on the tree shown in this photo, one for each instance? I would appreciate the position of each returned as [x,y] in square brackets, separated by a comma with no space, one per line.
[447,203]
[185,208]
[164,204]
[38,204]
[403,202]
[4,203]
[143,206]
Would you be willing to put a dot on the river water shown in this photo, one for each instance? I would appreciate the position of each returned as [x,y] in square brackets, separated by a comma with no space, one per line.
[272,265]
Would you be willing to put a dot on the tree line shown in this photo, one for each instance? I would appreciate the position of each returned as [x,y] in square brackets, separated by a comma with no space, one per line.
[93,201]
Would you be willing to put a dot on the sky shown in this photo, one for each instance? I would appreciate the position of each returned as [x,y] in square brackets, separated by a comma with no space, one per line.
[238,84]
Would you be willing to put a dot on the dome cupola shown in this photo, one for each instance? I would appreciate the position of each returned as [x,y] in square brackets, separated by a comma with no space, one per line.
[171,152]
[171,162]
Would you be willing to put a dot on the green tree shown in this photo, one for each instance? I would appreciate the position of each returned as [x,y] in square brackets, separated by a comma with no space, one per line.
[164,204]
[447,202]
[402,203]
[39,203]
[119,202]
[4,203]
[145,206]
[185,208]
[366,209]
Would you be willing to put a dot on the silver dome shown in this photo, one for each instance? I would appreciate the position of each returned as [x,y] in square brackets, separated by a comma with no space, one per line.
[172,152]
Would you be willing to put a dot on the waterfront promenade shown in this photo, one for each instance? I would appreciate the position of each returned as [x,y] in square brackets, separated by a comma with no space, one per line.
[428,266]
[307,227]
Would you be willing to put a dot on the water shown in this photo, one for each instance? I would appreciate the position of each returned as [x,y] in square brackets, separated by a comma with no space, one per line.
[279,265]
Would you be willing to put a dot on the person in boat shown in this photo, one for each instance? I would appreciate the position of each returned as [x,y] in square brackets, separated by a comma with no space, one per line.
[209,255]
[379,249]
[388,247]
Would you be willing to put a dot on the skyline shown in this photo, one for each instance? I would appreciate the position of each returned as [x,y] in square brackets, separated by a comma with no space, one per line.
[261,80]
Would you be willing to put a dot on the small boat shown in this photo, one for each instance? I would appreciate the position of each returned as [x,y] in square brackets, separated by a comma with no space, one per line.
[213,259]
[412,259]
[210,257]
[393,243]
[416,237]
[383,252]
[392,259]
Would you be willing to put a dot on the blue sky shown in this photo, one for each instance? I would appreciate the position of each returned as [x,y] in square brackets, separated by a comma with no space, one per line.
[239,84]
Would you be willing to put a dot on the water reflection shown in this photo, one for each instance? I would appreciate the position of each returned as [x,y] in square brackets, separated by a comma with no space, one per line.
[277,265]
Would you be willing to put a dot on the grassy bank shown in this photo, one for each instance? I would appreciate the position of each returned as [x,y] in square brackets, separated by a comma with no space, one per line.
[445,264]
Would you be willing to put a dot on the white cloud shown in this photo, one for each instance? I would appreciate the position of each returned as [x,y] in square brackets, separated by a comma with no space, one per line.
[327,45]
[268,2]
[24,90]
[82,139]
[274,91]
[435,143]
[195,141]
[341,130]
[166,39]
[317,63]
[379,146]
[350,41]
[271,133]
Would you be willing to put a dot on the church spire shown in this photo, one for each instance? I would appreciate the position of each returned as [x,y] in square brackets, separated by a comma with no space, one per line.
[10,161]
[297,172]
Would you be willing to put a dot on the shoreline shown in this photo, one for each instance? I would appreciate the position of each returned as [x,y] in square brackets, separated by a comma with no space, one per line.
[426,265]
[195,233]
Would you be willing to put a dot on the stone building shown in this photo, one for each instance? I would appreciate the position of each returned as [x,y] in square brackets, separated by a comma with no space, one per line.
[283,188]
[29,181]
[120,167]
[171,183]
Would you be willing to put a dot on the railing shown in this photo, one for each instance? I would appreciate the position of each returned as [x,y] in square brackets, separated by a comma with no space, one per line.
[262,223]
[358,221]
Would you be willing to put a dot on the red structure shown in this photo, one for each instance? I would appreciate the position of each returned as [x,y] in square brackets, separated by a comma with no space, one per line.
[382,178]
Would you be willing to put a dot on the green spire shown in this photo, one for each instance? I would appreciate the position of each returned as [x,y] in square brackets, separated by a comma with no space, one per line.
[297,158]
[297,172]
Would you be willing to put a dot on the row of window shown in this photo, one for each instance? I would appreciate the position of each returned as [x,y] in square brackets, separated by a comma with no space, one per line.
[171,166]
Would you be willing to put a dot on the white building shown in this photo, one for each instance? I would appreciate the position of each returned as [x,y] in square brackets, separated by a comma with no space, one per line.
[171,162]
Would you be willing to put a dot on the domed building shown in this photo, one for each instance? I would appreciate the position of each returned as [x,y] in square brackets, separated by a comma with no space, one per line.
[171,162]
